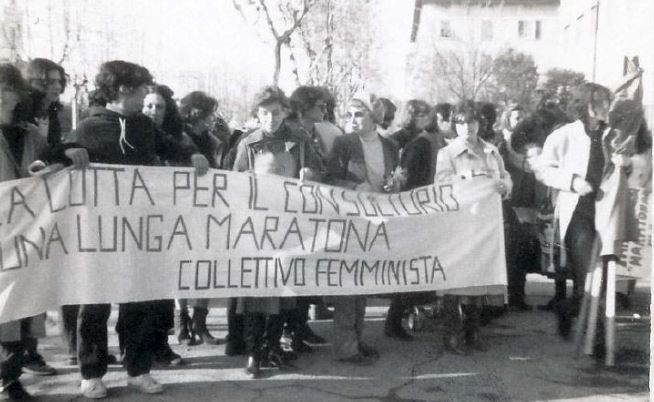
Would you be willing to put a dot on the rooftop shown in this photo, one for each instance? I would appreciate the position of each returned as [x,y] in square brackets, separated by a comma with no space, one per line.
[493,3]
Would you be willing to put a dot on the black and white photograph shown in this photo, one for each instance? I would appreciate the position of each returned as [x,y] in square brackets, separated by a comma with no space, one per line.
[326,200]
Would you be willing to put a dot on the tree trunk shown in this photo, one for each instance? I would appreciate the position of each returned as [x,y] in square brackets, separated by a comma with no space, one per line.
[278,62]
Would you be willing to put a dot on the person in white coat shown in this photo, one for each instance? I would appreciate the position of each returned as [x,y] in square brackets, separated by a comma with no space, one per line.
[572,162]
[468,156]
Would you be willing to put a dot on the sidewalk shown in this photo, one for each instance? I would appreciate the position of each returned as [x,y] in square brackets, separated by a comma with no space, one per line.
[527,362]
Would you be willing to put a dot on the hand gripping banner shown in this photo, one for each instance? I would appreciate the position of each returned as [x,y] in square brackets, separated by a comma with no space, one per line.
[112,234]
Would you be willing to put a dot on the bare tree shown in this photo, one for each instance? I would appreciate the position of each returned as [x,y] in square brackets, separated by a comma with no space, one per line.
[331,48]
[464,72]
[291,15]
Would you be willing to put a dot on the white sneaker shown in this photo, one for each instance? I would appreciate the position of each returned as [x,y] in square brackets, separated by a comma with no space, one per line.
[93,388]
[145,383]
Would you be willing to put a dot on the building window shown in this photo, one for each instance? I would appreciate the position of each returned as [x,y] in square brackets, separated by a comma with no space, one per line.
[530,29]
[486,30]
[446,29]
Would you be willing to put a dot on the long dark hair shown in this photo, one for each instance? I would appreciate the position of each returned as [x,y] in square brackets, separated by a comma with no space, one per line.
[410,113]
[172,121]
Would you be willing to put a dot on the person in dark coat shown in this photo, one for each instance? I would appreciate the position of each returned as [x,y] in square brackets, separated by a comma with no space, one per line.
[20,146]
[274,148]
[197,112]
[421,141]
[119,134]
[360,160]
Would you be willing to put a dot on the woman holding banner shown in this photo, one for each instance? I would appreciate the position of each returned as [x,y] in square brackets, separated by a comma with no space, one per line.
[20,145]
[361,160]
[197,112]
[119,134]
[465,157]
[274,148]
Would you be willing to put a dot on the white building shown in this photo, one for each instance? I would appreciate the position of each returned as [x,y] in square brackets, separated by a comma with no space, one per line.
[599,34]
[485,27]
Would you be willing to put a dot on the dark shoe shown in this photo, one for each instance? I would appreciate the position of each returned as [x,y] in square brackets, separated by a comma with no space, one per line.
[301,347]
[398,333]
[320,312]
[564,315]
[314,339]
[453,344]
[112,359]
[38,367]
[183,330]
[253,369]
[368,351]
[234,348]
[599,351]
[520,306]
[15,392]
[277,359]
[71,361]
[199,327]
[549,306]
[168,358]
[207,338]
[476,342]
[358,360]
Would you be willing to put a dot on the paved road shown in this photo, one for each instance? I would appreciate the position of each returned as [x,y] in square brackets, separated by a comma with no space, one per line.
[527,362]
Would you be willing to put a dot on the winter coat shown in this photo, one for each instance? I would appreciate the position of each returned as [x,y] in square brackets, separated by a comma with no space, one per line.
[346,166]
[10,169]
[112,138]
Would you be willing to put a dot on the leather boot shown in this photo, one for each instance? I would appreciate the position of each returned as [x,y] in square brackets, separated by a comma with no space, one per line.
[183,327]
[253,367]
[235,341]
[452,326]
[471,325]
[199,326]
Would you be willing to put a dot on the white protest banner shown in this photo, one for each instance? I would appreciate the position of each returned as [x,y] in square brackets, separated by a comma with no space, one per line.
[116,233]
[636,257]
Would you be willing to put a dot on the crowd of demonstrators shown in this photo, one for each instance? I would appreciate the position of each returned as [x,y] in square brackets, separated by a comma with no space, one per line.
[530,156]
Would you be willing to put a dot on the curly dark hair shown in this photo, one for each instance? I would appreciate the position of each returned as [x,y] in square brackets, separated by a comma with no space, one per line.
[196,106]
[172,121]
[444,109]
[38,68]
[115,73]
[306,97]
[469,109]
[268,95]
[411,111]
[581,98]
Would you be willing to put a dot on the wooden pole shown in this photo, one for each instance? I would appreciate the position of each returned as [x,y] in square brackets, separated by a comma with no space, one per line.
[595,290]
[609,322]
[583,314]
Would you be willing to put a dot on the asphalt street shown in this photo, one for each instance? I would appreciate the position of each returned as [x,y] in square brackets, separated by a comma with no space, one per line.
[527,361]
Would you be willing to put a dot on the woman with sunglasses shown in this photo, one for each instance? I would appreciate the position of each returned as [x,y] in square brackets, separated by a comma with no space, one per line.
[465,157]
